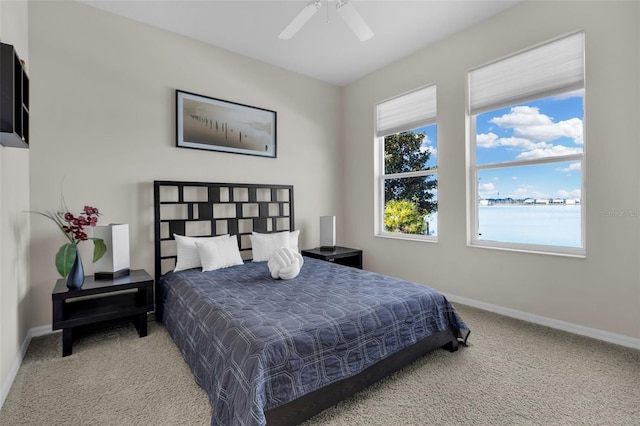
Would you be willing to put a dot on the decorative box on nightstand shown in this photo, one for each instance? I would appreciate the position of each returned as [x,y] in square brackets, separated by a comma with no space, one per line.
[341,255]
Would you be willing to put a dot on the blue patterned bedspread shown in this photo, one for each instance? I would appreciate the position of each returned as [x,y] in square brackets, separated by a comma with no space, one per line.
[254,343]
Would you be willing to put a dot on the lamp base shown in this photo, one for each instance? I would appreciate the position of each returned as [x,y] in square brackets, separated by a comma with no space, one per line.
[111,275]
[327,248]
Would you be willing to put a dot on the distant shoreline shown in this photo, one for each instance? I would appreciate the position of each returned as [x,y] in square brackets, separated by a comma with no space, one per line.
[530,202]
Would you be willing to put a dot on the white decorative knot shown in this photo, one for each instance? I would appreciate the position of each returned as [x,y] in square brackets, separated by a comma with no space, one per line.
[285,263]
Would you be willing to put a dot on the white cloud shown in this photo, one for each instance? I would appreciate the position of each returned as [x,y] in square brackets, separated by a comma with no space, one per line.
[486,140]
[522,116]
[522,143]
[432,150]
[487,187]
[573,167]
[528,123]
[554,151]
[487,190]
[571,128]
[526,191]
[427,146]
[491,140]
[576,193]
[521,193]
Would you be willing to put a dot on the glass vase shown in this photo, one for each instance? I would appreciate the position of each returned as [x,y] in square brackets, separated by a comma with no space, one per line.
[75,279]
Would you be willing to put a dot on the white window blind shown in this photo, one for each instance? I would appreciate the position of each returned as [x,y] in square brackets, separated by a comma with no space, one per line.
[406,112]
[552,68]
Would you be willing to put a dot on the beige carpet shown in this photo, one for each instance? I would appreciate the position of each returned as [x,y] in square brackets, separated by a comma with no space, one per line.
[514,373]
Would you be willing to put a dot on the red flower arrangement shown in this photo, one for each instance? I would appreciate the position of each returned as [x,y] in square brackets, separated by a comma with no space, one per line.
[75,225]
[73,228]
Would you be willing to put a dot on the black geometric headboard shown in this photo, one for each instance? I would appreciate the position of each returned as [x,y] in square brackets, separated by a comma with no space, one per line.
[202,209]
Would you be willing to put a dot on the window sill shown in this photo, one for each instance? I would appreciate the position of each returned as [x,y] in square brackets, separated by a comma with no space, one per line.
[409,237]
[577,253]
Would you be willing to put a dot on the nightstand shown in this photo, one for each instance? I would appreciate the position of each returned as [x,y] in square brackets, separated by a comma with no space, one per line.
[341,255]
[102,300]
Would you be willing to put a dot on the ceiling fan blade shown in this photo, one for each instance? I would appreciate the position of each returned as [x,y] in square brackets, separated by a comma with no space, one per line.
[353,19]
[300,19]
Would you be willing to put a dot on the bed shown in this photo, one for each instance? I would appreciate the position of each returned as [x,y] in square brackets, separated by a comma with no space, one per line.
[278,352]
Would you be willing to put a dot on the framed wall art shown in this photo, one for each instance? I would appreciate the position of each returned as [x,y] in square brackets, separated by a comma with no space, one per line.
[218,125]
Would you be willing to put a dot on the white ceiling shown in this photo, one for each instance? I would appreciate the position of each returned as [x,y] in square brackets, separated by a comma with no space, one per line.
[325,48]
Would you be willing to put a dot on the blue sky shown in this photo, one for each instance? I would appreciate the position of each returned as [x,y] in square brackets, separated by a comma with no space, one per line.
[430,143]
[538,129]
[542,128]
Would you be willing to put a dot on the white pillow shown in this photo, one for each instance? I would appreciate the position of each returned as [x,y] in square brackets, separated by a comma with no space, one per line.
[263,245]
[188,256]
[219,254]
[293,240]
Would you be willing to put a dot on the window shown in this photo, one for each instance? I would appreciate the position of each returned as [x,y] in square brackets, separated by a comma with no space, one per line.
[407,169]
[527,150]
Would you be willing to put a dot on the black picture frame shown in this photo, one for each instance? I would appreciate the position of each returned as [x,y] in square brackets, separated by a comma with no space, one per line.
[214,124]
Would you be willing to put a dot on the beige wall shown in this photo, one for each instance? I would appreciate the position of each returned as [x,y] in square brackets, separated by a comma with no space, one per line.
[102,108]
[600,292]
[14,222]
[103,120]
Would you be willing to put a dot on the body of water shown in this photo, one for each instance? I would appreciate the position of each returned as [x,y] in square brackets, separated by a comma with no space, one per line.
[556,225]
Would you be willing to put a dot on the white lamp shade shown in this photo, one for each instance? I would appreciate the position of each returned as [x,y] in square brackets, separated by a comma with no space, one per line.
[327,232]
[115,261]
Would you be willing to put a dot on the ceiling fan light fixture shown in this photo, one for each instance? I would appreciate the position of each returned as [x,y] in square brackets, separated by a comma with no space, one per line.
[300,19]
[353,19]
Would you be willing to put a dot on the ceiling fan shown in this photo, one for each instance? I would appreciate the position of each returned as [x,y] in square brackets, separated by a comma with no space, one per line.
[346,11]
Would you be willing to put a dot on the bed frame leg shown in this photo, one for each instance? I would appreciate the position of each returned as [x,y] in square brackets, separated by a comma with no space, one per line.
[452,346]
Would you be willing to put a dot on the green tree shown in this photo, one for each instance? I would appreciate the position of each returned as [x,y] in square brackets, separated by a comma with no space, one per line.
[402,155]
[403,216]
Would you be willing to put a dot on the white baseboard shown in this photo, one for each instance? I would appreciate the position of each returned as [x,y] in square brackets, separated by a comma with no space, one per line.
[6,386]
[618,339]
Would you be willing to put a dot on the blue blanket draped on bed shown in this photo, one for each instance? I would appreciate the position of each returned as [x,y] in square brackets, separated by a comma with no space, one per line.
[254,343]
